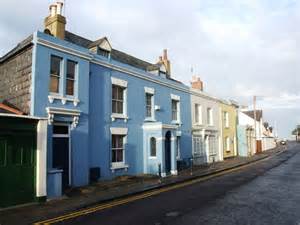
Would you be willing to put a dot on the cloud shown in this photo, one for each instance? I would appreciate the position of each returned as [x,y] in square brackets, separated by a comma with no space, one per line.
[239,48]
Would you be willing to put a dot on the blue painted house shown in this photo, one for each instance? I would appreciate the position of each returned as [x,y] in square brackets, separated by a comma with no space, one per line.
[109,113]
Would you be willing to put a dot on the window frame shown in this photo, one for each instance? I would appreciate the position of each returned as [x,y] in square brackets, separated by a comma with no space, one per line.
[74,79]
[226,119]
[153,156]
[59,76]
[121,84]
[227,144]
[198,110]
[118,164]
[209,116]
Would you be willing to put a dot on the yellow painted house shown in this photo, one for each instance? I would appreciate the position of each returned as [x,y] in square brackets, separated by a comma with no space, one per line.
[228,122]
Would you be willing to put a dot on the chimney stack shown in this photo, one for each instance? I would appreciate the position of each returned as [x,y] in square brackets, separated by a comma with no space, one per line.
[166,62]
[197,83]
[55,23]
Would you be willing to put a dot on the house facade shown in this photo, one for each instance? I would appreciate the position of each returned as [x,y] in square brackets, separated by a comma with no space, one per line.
[228,118]
[109,113]
[246,135]
[205,125]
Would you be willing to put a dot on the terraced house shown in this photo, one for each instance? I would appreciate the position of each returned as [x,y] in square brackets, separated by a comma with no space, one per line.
[108,113]
[228,115]
[205,125]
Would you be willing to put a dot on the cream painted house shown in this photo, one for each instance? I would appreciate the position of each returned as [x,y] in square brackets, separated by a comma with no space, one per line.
[205,125]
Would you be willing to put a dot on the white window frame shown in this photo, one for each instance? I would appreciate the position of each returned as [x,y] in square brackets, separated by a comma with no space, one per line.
[151,156]
[122,84]
[198,118]
[198,142]
[210,119]
[74,79]
[177,99]
[123,132]
[151,92]
[60,77]
[227,141]
[226,119]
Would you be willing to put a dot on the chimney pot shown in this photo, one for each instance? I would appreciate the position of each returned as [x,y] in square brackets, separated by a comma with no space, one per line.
[59,7]
[52,10]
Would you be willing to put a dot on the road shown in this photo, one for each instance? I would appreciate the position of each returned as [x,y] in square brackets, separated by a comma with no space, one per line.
[267,192]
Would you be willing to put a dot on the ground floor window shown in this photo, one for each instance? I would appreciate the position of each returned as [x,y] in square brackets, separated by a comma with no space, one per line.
[117,149]
[152,147]
[198,146]
[212,145]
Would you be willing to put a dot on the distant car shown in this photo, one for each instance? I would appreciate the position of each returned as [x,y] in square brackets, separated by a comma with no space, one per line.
[283,142]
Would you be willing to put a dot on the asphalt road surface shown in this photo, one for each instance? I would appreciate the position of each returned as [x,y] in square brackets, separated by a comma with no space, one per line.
[267,192]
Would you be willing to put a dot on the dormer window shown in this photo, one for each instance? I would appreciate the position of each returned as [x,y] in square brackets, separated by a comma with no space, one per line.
[103,52]
[101,47]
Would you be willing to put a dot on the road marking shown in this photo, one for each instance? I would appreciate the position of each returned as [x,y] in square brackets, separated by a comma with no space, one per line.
[143,195]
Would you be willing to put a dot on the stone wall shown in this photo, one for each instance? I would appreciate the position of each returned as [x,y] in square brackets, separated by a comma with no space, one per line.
[15,80]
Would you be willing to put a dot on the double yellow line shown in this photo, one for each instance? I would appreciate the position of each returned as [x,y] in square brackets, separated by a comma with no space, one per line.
[147,194]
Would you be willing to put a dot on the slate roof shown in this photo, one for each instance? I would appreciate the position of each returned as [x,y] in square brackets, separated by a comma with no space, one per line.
[259,114]
[115,54]
[86,43]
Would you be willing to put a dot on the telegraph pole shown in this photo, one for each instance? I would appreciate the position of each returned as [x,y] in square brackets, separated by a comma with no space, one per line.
[254,111]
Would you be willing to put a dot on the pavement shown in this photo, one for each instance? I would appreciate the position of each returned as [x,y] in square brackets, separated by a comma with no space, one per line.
[106,191]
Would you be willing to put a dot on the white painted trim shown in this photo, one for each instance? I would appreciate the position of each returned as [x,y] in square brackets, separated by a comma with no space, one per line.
[174,172]
[115,116]
[119,130]
[22,116]
[149,90]
[64,100]
[41,159]
[159,126]
[117,166]
[119,82]
[175,97]
[63,111]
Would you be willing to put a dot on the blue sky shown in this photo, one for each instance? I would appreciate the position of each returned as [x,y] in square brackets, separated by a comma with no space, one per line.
[239,48]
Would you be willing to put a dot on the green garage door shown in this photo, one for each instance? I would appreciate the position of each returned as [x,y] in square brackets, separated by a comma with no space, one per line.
[17,167]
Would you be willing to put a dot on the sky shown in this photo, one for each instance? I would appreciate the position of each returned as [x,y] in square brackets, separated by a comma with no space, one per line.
[239,48]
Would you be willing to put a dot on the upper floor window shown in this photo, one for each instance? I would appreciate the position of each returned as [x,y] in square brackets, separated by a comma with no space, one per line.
[117,99]
[152,147]
[149,105]
[55,74]
[226,119]
[209,116]
[198,114]
[70,79]
[175,112]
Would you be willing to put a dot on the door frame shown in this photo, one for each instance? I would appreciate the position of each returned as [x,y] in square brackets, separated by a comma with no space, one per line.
[69,144]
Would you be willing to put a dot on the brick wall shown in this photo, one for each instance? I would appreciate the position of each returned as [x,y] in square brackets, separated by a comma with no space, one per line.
[15,80]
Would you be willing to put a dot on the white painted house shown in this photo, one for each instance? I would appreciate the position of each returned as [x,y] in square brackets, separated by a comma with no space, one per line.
[205,125]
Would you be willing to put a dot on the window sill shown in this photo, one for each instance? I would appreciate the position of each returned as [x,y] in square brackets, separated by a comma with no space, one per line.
[150,120]
[115,116]
[152,157]
[64,100]
[119,166]
[176,122]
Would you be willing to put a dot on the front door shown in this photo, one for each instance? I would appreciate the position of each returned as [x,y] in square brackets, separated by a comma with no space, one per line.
[61,153]
[168,152]
[17,168]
